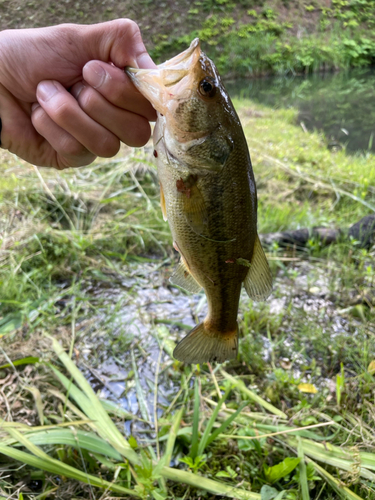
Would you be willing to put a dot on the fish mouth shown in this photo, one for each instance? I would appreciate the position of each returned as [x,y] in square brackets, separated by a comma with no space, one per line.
[159,85]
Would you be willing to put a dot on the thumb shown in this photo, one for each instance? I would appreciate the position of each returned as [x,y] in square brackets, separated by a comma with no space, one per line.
[119,41]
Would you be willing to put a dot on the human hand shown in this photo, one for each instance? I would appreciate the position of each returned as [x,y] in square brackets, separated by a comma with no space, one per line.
[64,97]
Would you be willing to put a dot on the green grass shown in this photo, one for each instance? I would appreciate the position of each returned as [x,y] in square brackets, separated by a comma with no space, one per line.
[83,250]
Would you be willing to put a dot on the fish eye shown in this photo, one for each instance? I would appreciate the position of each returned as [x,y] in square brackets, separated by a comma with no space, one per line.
[207,87]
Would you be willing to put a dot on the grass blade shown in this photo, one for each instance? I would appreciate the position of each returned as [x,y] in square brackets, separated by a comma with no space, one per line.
[28,360]
[225,424]
[194,440]
[342,491]
[140,396]
[254,397]
[95,411]
[75,438]
[303,473]
[49,464]
[214,487]
[172,435]
[204,439]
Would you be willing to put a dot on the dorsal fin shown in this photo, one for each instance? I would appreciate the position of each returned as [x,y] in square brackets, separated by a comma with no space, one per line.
[258,281]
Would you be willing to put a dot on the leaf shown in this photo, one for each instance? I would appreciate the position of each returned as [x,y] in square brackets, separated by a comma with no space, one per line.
[280,470]
[309,388]
[158,495]
[10,323]
[370,369]
[133,442]
[28,360]
[280,496]
[223,473]
[253,444]
[268,493]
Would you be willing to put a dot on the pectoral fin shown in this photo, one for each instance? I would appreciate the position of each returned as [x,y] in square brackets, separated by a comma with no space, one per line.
[182,277]
[258,281]
[193,205]
[195,212]
[162,203]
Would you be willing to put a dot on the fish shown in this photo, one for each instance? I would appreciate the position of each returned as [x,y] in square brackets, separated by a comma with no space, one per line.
[208,196]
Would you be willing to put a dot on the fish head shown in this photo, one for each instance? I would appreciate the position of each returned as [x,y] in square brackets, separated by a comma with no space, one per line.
[196,118]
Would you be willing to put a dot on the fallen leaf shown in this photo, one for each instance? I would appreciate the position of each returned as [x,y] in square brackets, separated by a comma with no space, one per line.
[310,388]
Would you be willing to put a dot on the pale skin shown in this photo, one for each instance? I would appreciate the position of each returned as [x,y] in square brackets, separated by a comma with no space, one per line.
[64,96]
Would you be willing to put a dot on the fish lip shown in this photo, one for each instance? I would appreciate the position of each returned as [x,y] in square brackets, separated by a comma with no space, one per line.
[154,84]
[183,56]
[174,63]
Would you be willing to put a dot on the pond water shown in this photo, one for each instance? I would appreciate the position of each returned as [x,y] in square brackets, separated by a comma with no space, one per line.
[342,105]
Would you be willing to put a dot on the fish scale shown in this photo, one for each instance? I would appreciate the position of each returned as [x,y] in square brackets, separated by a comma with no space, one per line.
[208,196]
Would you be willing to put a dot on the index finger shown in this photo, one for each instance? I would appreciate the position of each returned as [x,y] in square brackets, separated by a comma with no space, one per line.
[113,84]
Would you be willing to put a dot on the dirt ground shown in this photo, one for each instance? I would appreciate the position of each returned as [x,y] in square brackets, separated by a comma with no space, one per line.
[152,17]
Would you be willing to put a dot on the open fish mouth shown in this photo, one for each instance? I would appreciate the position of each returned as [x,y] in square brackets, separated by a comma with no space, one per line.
[158,84]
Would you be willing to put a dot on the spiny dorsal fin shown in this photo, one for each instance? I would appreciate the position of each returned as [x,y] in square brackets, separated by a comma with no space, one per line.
[162,203]
[202,346]
[258,281]
[182,277]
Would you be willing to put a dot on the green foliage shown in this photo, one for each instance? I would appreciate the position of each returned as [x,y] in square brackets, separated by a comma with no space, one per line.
[267,43]
[340,384]
[278,471]
[207,425]
[194,463]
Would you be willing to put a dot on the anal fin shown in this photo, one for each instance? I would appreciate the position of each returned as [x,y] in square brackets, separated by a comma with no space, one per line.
[202,345]
[258,281]
[182,277]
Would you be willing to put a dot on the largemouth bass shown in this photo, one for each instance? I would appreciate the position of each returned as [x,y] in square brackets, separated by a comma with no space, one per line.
[208,196]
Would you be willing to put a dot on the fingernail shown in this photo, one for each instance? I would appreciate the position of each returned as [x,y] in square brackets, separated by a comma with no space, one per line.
[144,61]
[94,74]
[77,89]
[46,90]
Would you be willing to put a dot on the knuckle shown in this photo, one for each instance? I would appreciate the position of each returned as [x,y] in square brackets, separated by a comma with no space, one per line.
[87,99]
[109,147]
[71,148]
[129,26]
[61,111]
[116,95]
[63,162]
[128,29]
[38,117]
[139,135]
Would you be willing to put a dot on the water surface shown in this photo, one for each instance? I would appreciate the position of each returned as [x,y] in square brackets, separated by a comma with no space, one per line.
[342,105]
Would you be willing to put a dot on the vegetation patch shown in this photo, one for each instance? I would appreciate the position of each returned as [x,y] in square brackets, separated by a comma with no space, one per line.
[245,38]
[85,258]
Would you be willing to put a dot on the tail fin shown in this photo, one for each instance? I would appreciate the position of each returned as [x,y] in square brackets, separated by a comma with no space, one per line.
[202,345]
